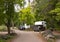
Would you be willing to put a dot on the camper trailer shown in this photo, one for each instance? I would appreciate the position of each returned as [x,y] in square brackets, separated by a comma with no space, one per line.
[39,26]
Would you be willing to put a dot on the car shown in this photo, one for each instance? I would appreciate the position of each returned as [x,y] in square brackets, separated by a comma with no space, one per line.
[22,28]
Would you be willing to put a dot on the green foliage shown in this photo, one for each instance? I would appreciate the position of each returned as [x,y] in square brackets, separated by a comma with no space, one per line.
[39,8]
[55,14]
[1,40]
[26,16]
[2,15]
[6,38]
[42,7]
[42,10]
[48,10]
[50,40]
[3,28]
[7,11]
[56,11]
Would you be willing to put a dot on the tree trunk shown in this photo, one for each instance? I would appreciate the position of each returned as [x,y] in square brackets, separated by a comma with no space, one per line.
[12,23]
[8,26]
[8,29]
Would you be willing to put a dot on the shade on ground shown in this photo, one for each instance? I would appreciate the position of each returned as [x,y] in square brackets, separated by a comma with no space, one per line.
[24,36]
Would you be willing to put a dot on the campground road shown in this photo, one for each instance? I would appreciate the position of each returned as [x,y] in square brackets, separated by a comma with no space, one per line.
[27,36]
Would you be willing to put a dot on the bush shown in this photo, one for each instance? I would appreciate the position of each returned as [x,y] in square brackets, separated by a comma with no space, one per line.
[58,29]
[2,40]
[3,28]
[5,38]
[50,40]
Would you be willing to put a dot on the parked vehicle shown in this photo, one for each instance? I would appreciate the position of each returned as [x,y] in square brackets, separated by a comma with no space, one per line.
[39,25]
[21,27]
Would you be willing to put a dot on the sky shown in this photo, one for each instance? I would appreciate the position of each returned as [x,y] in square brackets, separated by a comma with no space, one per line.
[17,7]
[27,2]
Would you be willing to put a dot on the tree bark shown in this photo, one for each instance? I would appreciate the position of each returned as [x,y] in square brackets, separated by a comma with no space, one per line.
[8,26]
[12,24]
[8,29]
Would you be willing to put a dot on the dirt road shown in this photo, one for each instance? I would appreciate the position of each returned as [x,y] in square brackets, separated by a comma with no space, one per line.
[57,35]
[24,36]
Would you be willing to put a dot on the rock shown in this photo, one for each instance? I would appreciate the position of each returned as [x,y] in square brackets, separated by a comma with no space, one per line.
[44,33]
[48,34]
[50,37]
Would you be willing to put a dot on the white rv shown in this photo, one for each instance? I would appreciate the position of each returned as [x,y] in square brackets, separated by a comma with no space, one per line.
[39,25]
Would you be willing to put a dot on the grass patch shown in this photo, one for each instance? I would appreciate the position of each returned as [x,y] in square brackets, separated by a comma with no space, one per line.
[57,36]
[2,40]
[3,28]
[51,40]
[6,38]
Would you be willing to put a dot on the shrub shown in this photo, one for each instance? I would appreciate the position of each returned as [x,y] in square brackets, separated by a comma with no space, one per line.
[3,28]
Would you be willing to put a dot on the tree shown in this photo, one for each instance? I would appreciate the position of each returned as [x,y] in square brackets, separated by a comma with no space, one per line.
[42,9]
[26,16]
[56,14]
[1,11]
[8,12]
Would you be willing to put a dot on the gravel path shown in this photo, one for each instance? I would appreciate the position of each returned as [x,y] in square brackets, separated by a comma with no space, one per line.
[24,36]
[58,34]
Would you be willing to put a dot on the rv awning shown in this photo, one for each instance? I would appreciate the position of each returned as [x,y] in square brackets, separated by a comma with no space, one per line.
[38,23]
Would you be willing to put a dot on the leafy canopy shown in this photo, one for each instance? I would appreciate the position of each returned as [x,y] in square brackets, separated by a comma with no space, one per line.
[26,16]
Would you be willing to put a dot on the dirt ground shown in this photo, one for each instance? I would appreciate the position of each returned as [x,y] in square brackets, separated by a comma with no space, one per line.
[58,36]
[24,36]
[29,36]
